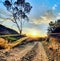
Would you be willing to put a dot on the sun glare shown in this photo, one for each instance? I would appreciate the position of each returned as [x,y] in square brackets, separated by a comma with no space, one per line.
[34,34]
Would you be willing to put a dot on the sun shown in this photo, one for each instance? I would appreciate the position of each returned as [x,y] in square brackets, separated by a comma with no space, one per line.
[34,34]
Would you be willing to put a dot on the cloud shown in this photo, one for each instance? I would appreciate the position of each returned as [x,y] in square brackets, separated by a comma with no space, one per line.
[5,12]
[38,9]
[58,13]
[39,31]
[44,19]
[54,7]
[58,16]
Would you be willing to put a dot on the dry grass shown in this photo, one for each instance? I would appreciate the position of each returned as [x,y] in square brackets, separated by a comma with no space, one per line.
[4,43]
[52,49]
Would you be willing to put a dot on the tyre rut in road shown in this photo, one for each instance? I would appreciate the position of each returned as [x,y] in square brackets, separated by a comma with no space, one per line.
[31,54]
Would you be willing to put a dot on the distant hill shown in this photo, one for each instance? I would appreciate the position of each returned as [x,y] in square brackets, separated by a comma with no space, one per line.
[5,30]
[8,31]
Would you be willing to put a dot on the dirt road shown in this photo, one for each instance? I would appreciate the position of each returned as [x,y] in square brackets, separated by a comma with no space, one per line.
[41,54]
[31,52]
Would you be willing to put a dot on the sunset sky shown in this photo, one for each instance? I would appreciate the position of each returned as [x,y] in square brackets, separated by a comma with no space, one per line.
[42,12]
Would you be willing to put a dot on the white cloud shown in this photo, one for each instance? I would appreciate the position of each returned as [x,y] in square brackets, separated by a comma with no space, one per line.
[59,13]
[58,16]
[54,7]
[44,19]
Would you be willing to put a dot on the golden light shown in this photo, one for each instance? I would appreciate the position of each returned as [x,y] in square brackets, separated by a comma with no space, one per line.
[34,34]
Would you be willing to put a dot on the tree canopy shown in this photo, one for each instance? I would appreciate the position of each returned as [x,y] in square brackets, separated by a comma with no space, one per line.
[20,10]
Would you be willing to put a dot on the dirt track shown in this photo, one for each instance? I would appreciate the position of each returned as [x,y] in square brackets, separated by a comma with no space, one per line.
[31,52]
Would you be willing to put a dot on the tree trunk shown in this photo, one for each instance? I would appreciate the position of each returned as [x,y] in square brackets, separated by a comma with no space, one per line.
[21,27]
[18,27]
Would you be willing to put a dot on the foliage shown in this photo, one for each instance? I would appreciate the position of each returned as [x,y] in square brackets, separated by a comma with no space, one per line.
[54,27]
[5,44]
[11,39]
[19,10]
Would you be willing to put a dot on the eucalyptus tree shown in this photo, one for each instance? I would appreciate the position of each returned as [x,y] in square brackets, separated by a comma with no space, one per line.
[51,27]
[54,27]
[19,10]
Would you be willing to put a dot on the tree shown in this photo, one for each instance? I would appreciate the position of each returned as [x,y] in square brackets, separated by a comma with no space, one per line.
[54,28]
[51,27]
[19,10]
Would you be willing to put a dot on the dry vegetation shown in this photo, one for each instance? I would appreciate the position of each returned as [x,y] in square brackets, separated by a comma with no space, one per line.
[52,49]
[4,43]
[7,45]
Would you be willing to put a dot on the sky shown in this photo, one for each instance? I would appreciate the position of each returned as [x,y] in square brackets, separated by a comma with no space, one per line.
[42,12]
